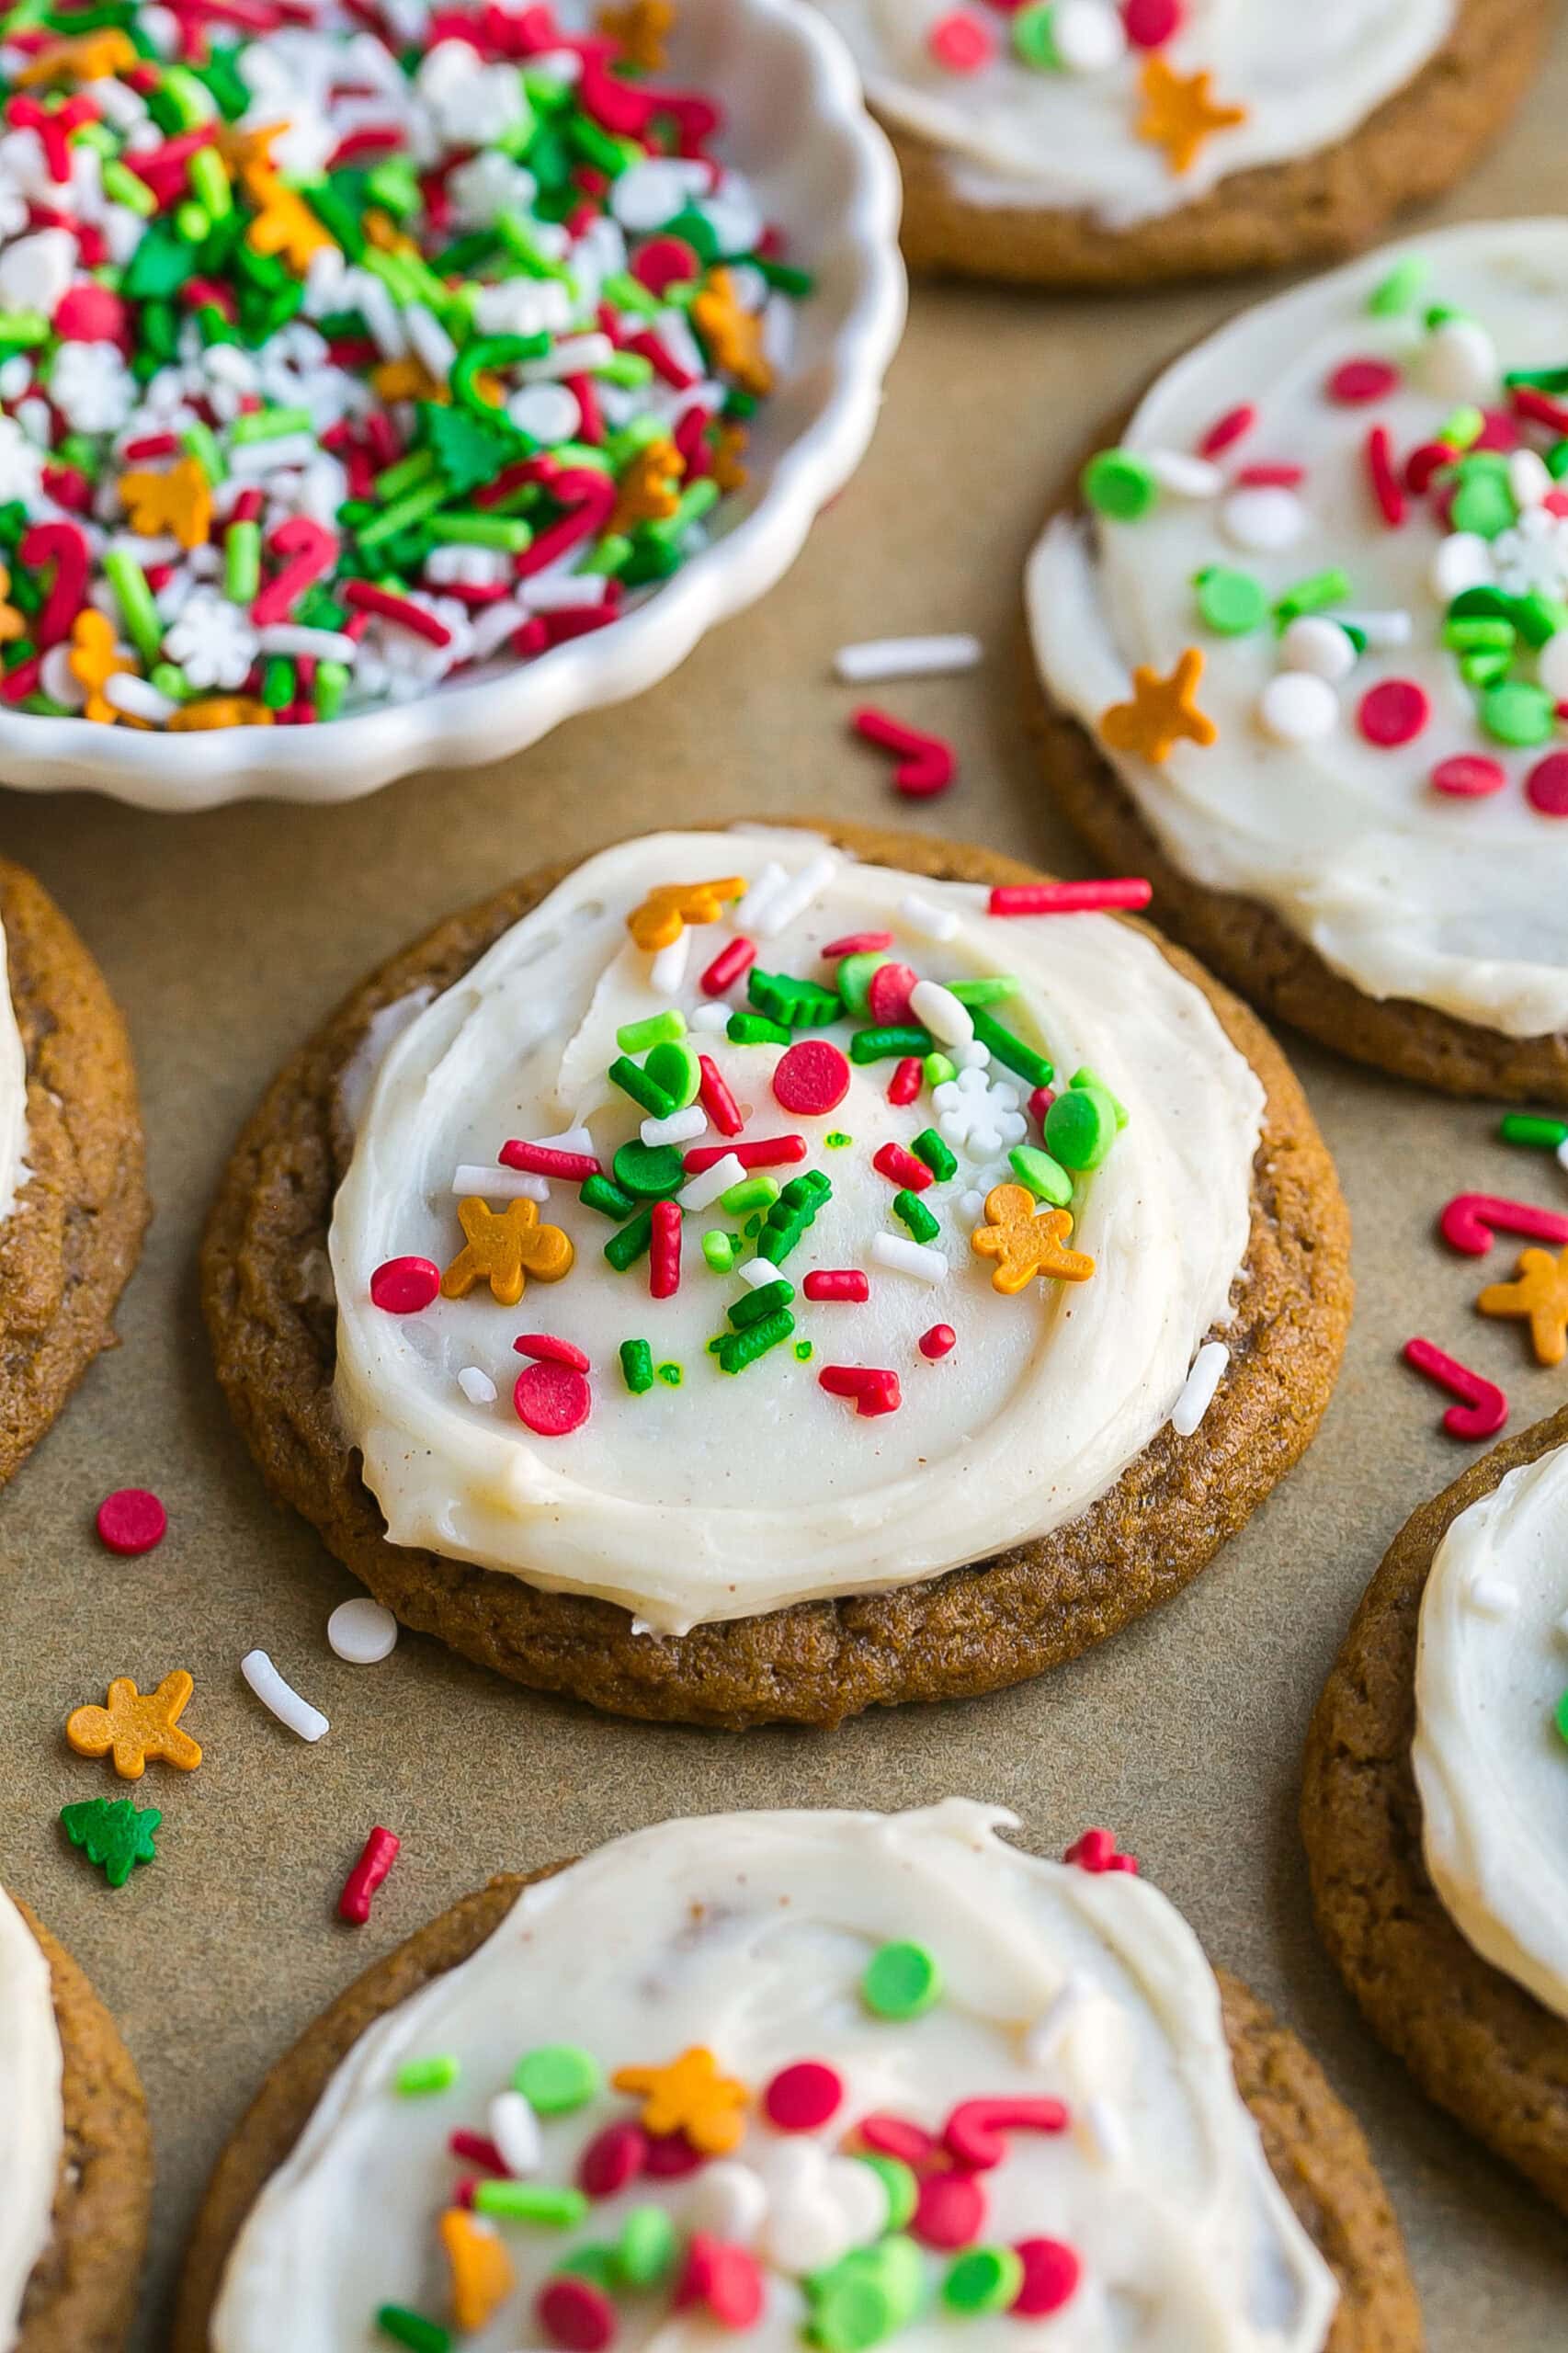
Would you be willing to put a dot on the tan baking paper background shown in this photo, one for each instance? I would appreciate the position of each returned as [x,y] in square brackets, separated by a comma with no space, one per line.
[227,936]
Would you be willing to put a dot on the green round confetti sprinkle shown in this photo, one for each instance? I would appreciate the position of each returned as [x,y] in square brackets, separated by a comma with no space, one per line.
[1231,603]
[646,2251]
[673,1067]
[1034,37]
[983,2280]
[1045,1178]
[851,2314]
[902,1981]
[557,2077]
[897,2180]
[1515,713]
[1119,485]
[594,2262]
[1401,290]
[852,976]
[1080,1127]
[1484,504]
[650,1172]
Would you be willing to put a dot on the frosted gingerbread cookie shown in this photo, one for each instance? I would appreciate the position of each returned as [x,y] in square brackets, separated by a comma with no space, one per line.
[1304,644]
[72,1204]
[1436,1803]
[78,2156]
[824,2078]
[774,1274]
[1115,143]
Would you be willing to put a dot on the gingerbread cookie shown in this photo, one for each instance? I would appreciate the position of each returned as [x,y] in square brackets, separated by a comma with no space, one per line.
[1121,143]
[815,2075]
[72,1204]
[1436,1796]
[1304,644]
[835,1284]
[79,2159]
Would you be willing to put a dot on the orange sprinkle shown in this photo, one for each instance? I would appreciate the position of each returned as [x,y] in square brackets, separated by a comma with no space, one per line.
[136,1725]
[664,913]
[1026,1244]
[689,2096]
[1162,713]
[482,2276]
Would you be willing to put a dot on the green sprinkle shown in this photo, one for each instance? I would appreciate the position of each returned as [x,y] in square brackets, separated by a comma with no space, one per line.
[1401,290]
[403,2327]
[125,188]
[803,1350]
[1484,502]
[504,531]
[867,2295]
[902,1981]
[983,2280]
[1484,669]
[915,1216]
[755,1030]
[1473,636]
[557,2078]
[241,562]
[896,2177]
[417,2076]
[759,1304]
[402,514]
[268,425]
[752,1193]
[671,1375]
[646,2251]
[598,1193]
[992,989]
[1312,595]
[791,1214]
[555,2204]
[1007,1048]
[1462,427]
[128,582]
[637,1365]
[633,1080]
[1045,1179]
[594,2261]
[650,1172]
[938,1069]
[1560,1718]
[201,443]
[1081,1126]
[675,1070]
[21,328]
[637,1037]
[886,1045]
[799,1004]
[624,1250]
[718,1251]
[853,975]
[735,1350]
[1514,712]
[1120,485]
[1526,1127]
[836,1140]
[115,1833]
[930,1147]
[1231,603]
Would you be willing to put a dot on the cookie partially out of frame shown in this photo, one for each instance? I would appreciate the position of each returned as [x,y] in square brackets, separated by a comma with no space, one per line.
[69,1246]
[1315,208]
[82,2295]
[1476,2041]
[968,1631]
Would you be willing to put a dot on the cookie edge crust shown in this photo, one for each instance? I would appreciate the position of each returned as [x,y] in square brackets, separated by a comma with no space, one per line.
[971,1629]
[1314,2146]
[81,2297]
[85,1203]
[1315,208]
[1477,2043]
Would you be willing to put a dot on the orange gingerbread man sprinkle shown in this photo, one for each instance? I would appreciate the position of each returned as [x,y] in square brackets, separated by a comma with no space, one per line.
[482,2276]
[93,57]
[219,711]
[649,489]
[664,913]
[284,224]
[178,500]
[136,1725]
[1179,115]
[732,338]
[1025,1244]
[13,623]
[1537,1296]
[93,659]
[728,451]
[504,1248]
[642,28]
[689,2096]
[1162,713]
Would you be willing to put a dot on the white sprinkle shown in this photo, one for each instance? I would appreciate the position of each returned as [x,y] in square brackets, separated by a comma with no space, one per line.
[745,915]
[1056,2019]
[1102,2131]
[1296,708]
[709,1017]
[905,1258]
[514,2128]
[971,1207]
[1530,478]
[282,1698]
[974,1056]
[1198,1391]
[1561,1155]
[573,1139]
[1319,647]
[1184,475]
[1460,362]
[1552,666]
[667,970]
[549,412]
[791,902]
[475,1176]
[730,2201]
[271,454]
[319,644]
[566,592]
[361,1631]
[709,1183]
[756,1272]
[574,354]
[938,1010]
[1492,1597]
[905,657]
[1461,561]
[1264,521]
[476,1386]
[930,922]
[138,698]
[681,1127]
[1380,628]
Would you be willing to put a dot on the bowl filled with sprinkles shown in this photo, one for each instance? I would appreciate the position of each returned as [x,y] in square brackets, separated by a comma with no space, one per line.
[428,372]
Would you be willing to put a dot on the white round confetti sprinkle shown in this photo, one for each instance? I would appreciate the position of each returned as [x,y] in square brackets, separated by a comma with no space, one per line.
[1263,520]
[477,1386]
[1460,362]
[1318,647]
[938,1010]
[1553,666]
[1088,36]
[1461,561]
[361,1630]
[1530,478]
[1184,475]
[282,1698]
[514,2128]
[971,1207]
[549,412]
[1296,708]
[1198,1391]
[730,2201]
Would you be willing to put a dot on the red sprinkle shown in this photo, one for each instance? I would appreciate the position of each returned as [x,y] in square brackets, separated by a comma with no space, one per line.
[960,44]
[1424,462]
[1068,898]
[926,764]
[1096,1851]
[812,1078]
[612,2158]
[1384,480]
[1150,23]
[874,1389]
[1539,407]
[975,2133]
[735,958]
[1483,1407]
[1470,1222]
[552,1399]
[544,1160]
[717,1100]
[949,2212]
[671,2156]
[573,2312]
[1546,787]
[768,1151]
[403,1286]
[470,2148]
[897,2136]
[1052,2273]
[377,1857]
[1469,776]
[666,261]
[364,597]
[936,1343]
[724,2277]
[663,1251]
[1362,379]
[856,943]
[888,992]
[901,1167]
[904,1084]
[1393,712]
[1227,430]
[131,1520]
[546,1349]
[801,2099]
[1041,1102]
[843,1283]
[1271,477]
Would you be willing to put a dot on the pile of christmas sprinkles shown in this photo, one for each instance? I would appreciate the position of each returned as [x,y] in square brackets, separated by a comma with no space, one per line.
[996,1166]
[344,349]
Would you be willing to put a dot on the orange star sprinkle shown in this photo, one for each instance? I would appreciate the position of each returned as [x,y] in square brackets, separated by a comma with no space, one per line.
[1025,1244]
[689,2096]
[219,710]
[1162,713]
[731,336]
[482,2276]
[284,224]
[664,913]
[1179,115]
[648,489]
[95,658]
[178,499]
[1538,1297]
[642,28]
[504,1248]
[136,1725]
[94,56]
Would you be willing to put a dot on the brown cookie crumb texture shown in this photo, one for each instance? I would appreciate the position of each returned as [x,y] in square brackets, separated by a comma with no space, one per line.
[972,1630]
[82,2295]
[1313,2143]
[1316,208]
[1476,2043]
[68,1248]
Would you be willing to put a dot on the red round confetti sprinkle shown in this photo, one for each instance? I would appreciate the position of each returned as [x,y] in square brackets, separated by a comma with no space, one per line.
[549,1349]
[936,1343]
[1546,787]
[1393,712]
[89,314]
[959,43]
[812,1078]
[1150,23]
[666,261]
[612,2158]
[403,1286]
[1469,776]
[724,2277]
[671,2156]
[949,2212]
[1052,2273]
[574,2314]
[886,998]
[802,2097]
[552,1399]
[131,1520]
[1363,380]
[897,2136]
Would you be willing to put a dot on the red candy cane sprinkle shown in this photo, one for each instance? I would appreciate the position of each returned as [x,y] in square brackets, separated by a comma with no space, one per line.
[873,1388]
[899,2136]
[801,2097]
[811,1079]
[1384,478]
[663,1251]
[1069,898]
[901,1167]
[403,1286]
[716,1098]
[545,1348]
[1483,1408]
[377,1857]
[1393,712]
[551,1400]
[926,764]
[846,1285]
[937,1342]
[131,1520]
[1097,1851]
[734,959]
[904,1084]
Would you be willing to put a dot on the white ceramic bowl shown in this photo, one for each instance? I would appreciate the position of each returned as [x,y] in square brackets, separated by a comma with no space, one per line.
[797,127]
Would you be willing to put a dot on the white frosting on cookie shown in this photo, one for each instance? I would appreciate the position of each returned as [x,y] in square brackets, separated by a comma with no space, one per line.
[30,2071]
[736,1493]
[1013,134]
[748,1934]
[1405,889]
[1491,1762]
[12,1097]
